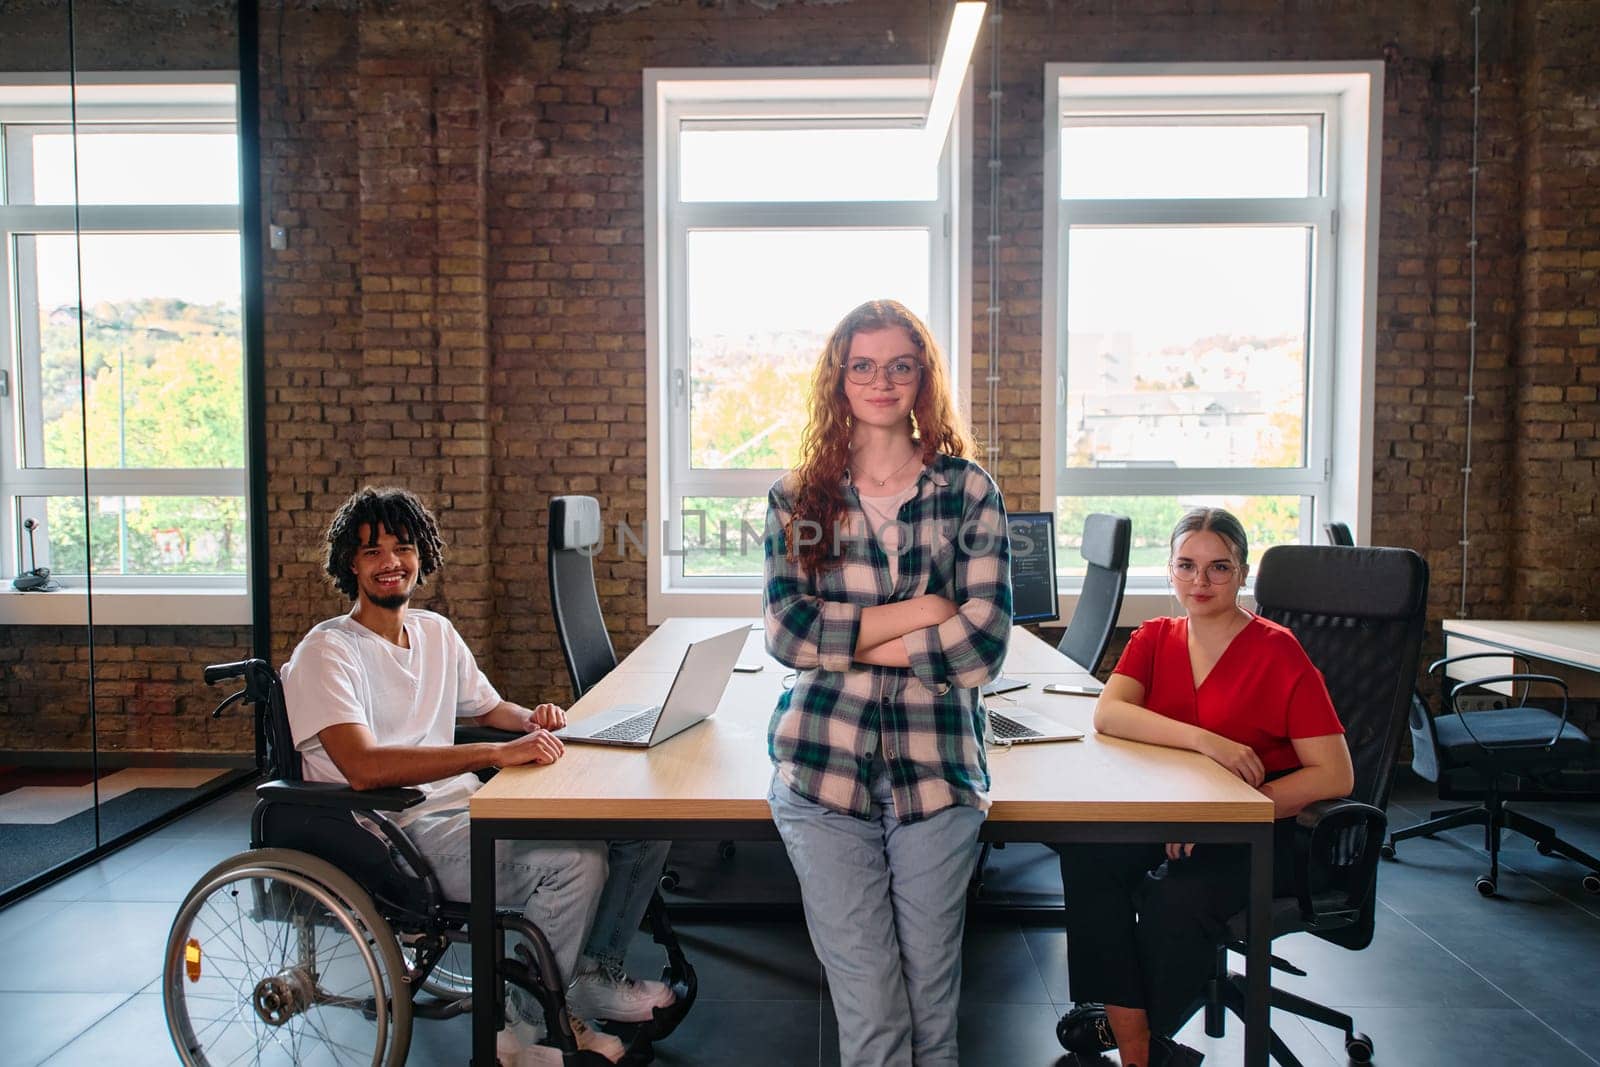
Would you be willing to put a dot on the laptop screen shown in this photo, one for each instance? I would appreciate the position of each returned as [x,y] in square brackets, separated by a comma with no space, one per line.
[1033,566]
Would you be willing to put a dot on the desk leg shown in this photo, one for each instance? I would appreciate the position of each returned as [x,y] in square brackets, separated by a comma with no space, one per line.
[481,928]
[1258,959]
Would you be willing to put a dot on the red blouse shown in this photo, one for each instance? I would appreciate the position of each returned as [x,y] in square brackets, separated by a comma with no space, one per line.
[1261,692]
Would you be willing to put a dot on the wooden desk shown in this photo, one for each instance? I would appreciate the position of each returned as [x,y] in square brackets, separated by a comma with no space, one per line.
[1568,650]
[710,783]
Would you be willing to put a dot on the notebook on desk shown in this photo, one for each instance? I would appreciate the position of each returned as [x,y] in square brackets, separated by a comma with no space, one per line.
[696,691]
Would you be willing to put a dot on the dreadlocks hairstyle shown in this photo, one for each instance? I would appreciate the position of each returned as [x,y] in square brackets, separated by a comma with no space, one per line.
[397,511]
[825,445]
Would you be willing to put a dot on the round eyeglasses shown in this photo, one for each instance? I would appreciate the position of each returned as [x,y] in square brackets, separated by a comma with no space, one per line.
[1219,573]
[900,371]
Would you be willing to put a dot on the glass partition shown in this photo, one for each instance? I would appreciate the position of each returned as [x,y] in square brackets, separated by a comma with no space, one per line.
[123,464]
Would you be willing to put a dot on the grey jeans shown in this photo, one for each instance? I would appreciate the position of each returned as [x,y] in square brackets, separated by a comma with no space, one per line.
[885,905]
[584,895]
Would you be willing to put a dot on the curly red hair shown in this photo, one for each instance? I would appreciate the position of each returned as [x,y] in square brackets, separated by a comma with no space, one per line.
[825,445]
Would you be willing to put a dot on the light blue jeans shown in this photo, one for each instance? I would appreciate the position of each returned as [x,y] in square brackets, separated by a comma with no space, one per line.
[885,905]
[587,895]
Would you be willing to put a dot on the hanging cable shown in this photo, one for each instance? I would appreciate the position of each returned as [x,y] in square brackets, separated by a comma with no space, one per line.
[1472,313]
[992,438]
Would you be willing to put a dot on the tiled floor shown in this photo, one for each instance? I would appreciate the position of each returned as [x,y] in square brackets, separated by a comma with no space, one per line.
[1451,978]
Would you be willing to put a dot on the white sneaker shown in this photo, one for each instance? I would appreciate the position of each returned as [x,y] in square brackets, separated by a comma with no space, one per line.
[520,1043]
[603,993]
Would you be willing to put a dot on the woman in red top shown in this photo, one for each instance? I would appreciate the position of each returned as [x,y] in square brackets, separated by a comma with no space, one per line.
[1143,921]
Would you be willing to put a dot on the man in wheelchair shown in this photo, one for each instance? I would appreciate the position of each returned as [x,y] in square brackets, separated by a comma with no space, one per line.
[373,700]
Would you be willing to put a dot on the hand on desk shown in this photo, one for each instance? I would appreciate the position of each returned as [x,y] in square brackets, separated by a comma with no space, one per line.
[538,746]
[548,716]
[1240,759]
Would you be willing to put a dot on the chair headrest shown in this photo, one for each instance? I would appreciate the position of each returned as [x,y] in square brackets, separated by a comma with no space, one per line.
[1106,539]
[574,522]
[1366,583]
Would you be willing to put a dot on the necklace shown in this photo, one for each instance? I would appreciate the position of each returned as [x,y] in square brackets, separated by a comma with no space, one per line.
[880,482]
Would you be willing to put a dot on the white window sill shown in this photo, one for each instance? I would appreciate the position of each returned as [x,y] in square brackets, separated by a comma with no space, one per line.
[167,606]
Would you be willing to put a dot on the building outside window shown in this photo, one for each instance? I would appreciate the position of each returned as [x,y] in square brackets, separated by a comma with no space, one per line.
[123,413]
[777,201]
[1208,328]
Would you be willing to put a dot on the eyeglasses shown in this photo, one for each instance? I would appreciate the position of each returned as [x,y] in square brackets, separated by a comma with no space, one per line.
[900,371]
[1220,573]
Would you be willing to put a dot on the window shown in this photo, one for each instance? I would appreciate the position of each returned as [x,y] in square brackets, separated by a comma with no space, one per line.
[122,326]
[1208,325]
[778,201]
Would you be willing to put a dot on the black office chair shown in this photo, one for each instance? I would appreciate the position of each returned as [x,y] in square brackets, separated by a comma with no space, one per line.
[1491,754]
[574,538]
[1339,534]
[1359,613]
[1106,539]
[331,933]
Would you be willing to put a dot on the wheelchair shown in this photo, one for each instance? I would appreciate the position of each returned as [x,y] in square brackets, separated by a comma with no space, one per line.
[330,935]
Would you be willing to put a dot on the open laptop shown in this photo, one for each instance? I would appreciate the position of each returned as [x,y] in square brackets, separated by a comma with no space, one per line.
[696,691]
[1016,726]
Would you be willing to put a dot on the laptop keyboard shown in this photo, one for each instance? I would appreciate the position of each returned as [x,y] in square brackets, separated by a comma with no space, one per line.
[633,728]
[1008,729]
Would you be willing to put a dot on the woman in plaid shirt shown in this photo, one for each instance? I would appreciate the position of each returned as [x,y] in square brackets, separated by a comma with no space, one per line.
[888,589]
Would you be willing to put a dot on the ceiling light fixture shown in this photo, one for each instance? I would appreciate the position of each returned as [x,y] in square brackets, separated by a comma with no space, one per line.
[965,21]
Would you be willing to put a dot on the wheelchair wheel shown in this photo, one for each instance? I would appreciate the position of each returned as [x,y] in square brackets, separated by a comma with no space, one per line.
[277,957]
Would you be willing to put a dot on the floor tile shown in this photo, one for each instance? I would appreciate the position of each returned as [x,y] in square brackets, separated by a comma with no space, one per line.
[1448,1037]
[726,1033]
[89,947]
[1402,967]
[1534,953]
[134,1035]
[996,967]
[35,1025]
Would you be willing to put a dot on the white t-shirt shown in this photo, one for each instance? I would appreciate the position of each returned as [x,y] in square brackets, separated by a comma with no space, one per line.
[342,672]
[883,518]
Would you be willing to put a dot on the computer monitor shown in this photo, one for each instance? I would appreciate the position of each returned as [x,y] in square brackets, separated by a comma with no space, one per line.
[1033,566]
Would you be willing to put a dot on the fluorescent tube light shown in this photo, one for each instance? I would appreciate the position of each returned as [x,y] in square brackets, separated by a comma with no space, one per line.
[965,21]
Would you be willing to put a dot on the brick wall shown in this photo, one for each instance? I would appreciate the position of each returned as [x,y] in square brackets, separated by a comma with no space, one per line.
[461,307]
[563,203]
[148,692]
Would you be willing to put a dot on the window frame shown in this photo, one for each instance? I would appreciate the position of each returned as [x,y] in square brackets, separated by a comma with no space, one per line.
[677,99]
[1342,217]
[105,100]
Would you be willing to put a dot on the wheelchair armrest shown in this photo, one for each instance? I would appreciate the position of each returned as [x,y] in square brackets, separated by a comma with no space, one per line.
[1337,843]
[334,795]
[467,735]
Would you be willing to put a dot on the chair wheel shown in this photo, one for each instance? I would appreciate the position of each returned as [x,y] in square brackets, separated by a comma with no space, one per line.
[1386,851]
[1359,1048]
[726,850]
[669,880]
[1591,883]
[1543,849]
[1486,886]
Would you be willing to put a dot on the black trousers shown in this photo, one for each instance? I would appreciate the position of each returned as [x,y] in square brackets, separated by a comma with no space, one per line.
[1143,932]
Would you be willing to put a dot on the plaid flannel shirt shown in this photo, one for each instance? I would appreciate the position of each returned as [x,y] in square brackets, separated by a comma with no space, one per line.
[926,719]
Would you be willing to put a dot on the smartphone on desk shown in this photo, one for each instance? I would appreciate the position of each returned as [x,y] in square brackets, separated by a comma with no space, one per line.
[1073,690]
